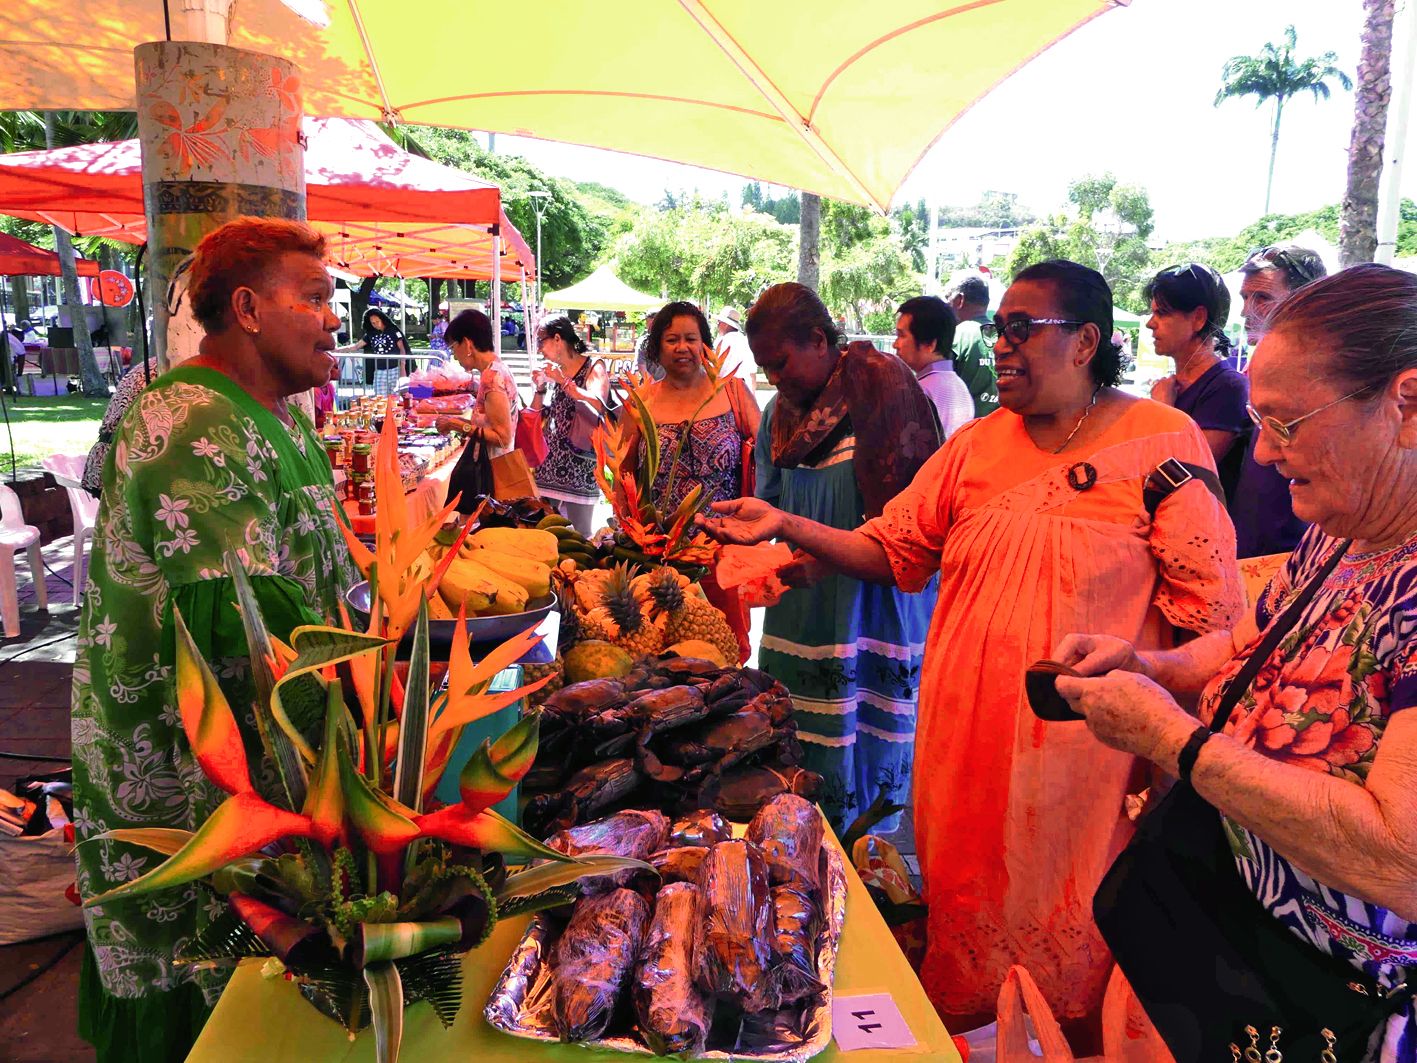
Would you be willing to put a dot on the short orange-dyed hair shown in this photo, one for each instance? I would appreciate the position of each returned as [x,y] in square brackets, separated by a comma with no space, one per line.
[239,255]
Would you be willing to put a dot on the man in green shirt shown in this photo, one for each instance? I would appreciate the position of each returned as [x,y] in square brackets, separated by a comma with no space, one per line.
[968,296]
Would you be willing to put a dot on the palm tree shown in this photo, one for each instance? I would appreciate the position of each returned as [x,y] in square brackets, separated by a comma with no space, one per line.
[26,130]
[1358,220]
[1276,74]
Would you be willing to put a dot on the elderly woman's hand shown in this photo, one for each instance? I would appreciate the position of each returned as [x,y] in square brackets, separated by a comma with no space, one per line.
[744,521]
[1129,712]
[1099,654]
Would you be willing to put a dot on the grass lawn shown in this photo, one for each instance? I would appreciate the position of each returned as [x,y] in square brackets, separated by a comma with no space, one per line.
[44,425]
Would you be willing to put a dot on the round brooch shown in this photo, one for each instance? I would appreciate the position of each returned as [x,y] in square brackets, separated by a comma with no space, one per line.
[1082,476]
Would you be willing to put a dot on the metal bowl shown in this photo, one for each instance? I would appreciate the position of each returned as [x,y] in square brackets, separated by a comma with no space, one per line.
[480,629]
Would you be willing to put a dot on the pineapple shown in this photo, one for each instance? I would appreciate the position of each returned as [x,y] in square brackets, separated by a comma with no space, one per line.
[665,587]
[532,672]
[697,619]
[622,617]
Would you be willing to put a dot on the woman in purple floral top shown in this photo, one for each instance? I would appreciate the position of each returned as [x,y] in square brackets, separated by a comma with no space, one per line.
[1315,773]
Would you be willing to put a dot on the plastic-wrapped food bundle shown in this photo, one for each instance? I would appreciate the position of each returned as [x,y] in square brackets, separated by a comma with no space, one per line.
[736,950]
[681,864]
[674,1014]
[594,959]
[635,833]
[794,960]
[788,829]
[704,827]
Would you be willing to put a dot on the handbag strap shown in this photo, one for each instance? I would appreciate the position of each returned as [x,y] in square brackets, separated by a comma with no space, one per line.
[1280,627]
[1173,474]
[736,396]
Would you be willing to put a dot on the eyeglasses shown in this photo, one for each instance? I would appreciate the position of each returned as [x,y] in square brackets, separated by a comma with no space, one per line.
[1017,329]
[1284,430]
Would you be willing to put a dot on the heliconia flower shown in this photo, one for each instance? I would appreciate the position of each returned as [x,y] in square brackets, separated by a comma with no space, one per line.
[496,767]
[288,938]
[484,830]
[384,825]
[362,556]
[207,717]
[467,702]
[242,824]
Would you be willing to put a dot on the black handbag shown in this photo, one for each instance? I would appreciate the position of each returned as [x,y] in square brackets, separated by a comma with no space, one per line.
[1204,957]
[472,475]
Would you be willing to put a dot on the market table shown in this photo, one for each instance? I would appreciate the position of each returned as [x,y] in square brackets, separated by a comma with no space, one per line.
[262,1020]
[429,496]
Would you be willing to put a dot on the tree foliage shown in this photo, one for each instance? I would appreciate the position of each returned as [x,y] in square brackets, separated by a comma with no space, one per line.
[1107,230]
[786,208]
[703,251]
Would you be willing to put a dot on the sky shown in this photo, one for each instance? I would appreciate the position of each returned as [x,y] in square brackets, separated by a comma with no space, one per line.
[1130,93]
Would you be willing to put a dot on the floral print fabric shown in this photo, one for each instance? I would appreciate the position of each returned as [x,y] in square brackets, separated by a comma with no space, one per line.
[712,456]
[197,466]
[1322,704]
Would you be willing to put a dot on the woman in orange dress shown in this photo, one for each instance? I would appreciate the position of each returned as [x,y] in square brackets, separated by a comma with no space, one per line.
[1035,519]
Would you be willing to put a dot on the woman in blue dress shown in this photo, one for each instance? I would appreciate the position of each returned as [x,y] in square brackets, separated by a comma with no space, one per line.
[844,434]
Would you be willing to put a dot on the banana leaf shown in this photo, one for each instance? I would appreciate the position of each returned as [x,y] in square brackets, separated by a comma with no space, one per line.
[281,751]
[324,802]
[385,1002]
[540,878]
[378,943]
[413,724]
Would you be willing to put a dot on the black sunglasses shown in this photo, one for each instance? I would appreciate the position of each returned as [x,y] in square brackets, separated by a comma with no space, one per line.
[1019,327]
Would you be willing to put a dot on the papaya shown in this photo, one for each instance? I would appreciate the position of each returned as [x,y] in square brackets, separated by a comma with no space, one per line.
[524,542]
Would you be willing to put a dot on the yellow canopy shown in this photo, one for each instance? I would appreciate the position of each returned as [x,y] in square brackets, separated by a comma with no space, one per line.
[837,97]
[602,290]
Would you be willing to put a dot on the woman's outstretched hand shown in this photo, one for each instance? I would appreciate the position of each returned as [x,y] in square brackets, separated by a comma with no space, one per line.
[743,521]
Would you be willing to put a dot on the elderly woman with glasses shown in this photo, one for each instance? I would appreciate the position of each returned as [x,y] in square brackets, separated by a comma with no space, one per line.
[1315,770]
[1036,519]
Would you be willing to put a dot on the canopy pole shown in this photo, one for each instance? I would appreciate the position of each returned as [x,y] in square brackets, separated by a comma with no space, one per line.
[186,196]
[495,310]
[1404,70]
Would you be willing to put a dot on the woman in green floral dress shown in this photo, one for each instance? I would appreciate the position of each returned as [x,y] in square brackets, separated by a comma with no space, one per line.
[209,458]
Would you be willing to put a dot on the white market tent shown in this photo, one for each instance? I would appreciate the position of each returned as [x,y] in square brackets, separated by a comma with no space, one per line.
[602,290]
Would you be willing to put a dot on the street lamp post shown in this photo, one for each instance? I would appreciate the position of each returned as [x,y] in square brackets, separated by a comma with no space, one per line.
[540,200]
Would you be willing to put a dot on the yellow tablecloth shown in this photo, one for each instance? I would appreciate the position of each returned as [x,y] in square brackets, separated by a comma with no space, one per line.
[260,1021]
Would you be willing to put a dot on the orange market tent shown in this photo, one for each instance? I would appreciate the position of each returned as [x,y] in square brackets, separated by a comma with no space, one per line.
[19,259]
[834,96]
[386,212]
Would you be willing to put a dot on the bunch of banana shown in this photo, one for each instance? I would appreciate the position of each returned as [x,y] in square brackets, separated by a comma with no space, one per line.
[571,545]
[497,571]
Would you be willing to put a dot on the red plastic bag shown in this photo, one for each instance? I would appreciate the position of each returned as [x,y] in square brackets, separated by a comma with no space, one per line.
[530,437]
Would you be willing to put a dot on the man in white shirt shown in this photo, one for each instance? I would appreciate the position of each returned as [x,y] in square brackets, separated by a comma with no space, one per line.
[732,343]
[924,328]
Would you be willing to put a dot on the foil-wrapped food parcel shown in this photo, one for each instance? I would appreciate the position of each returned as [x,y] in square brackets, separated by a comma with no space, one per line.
[727,952]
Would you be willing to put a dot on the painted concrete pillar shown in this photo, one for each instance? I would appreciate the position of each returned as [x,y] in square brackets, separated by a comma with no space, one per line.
[220,135]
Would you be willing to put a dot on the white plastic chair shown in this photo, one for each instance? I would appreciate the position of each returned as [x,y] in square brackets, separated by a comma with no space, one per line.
[16,535]
[68,471]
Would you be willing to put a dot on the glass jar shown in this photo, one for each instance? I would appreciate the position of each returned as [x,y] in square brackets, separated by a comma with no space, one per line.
[361,458]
